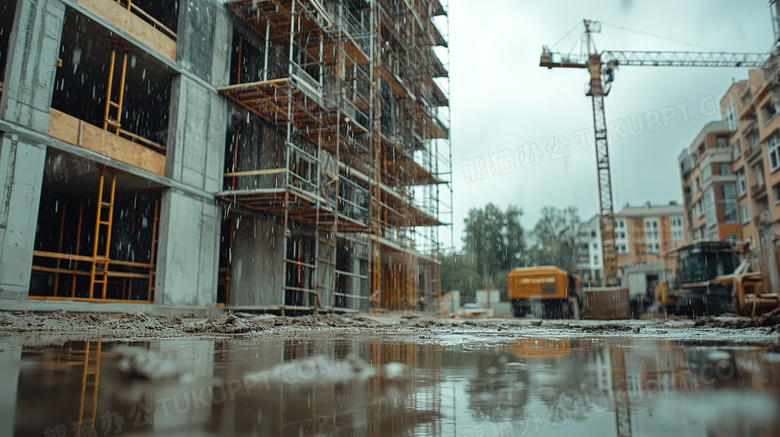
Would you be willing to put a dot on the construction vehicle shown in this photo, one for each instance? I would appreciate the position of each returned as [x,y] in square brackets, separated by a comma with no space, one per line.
[601,67]
[546,291]
[713,278]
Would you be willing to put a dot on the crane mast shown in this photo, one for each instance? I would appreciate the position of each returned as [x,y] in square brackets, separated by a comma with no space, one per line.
[601,67]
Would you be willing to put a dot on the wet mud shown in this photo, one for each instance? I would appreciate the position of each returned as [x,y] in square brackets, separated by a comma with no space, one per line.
[384,375]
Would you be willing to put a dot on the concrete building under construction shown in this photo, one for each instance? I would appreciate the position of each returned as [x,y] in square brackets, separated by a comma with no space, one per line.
[286,155]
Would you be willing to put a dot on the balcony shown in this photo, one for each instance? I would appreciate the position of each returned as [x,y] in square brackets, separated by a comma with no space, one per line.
[753,153]
[757,191]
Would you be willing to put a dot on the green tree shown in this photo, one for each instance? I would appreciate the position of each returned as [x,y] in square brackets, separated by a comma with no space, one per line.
[555,239]
[494,241]
[458,272]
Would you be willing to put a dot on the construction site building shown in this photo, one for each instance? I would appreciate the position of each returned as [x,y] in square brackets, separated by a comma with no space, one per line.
[286,155]
[643,234]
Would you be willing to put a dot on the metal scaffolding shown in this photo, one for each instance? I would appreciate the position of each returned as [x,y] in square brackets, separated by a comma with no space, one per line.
[350,85]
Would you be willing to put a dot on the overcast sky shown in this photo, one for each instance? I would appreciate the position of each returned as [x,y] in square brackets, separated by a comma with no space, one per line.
[501,98]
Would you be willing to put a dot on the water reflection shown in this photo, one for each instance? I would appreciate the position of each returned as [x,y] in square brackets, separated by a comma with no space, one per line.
[355,386]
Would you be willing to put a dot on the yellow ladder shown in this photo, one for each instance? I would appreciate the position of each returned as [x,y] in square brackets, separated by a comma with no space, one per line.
[115,123]
[90,379]
[103,220]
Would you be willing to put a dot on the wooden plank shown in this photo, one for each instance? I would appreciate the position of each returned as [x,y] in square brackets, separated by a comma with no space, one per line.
[134,25]
[64,127]
[62,271]
[256,172]
[115,262]
[77,132]
[65,256]
[155,22]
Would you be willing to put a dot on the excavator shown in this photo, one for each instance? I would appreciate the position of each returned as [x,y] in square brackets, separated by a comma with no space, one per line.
[715,277]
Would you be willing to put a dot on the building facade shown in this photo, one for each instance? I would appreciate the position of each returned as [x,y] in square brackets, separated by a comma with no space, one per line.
[590,262]
[281,154]
[710,186]
[750,110]
[643,235]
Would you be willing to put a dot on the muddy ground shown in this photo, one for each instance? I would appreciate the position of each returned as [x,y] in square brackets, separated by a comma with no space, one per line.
[414,327]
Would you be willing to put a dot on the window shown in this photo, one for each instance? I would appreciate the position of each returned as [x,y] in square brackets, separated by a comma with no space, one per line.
[731,117]
[744,213]
[677,228]
[776,192]
[709,207]
[733,237]
[737,151]
[769,111]
[758,170]
[722,143]
[724,169]
[730,211]
[706,173]
[696,185]
[595,260]
[774,154]
[741,182]
[753,138]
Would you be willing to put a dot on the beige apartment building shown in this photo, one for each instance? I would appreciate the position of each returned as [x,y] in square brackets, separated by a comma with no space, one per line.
[730,177]
[750,113]
[710,186]
[642,235]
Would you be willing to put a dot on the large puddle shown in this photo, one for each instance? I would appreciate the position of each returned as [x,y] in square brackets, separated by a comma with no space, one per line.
[363,387]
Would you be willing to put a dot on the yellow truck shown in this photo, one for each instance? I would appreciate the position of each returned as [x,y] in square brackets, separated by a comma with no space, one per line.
[546,291]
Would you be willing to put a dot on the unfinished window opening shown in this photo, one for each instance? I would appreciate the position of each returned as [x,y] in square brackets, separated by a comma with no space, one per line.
[7,14]
[247,61]
[96,235]
[299,288]
[227,235]
[353,199]
[351,275]
[109,84]
[254,153]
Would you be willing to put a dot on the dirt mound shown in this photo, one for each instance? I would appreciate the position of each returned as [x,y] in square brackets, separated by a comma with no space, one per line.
[312,321]
[772,321]
[606,327]
[135,322]
[223,324]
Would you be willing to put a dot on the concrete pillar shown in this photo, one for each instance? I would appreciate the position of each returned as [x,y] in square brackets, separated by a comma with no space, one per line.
[33,49]
[188,251]
[21,177]
[196,136]
[205,34]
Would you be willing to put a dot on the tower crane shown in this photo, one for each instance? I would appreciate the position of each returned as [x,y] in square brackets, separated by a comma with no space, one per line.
[601,66]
